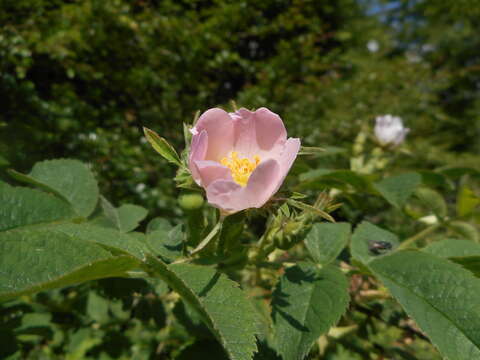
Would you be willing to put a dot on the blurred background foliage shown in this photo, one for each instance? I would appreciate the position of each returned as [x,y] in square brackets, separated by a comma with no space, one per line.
[80,79]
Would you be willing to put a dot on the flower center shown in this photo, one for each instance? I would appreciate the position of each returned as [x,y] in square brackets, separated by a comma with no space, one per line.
[241,168]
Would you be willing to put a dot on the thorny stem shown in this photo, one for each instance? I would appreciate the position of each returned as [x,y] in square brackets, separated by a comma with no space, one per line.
[427,231]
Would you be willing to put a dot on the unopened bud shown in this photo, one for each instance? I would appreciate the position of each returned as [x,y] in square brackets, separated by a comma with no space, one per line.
[190,201]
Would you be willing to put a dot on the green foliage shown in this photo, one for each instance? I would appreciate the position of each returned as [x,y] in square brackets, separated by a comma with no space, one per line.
[167,243]
[447,248]
[81,266]
[223,306]
[306,303]
[129,216]
[23,206]
[432,201]
[397,189]
[325,241]
[61,177]
[35,260]
[162,146]
[439,295]
[365,239]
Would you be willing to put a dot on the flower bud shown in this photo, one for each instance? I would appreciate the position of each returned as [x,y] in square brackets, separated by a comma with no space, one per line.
[389,130]
[289,233]
[190,201]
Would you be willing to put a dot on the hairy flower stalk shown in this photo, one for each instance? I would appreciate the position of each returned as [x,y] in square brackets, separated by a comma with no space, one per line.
[241,159]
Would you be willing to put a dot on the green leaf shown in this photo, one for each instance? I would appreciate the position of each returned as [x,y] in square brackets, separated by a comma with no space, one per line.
[70,179]
[460,251]
[130,216]
[458,172]
[162,146]
[325,241]
[313,175]
[397,189]
[80,342]
[465,230]
[191,320]
[471,263]
[309,208]
[447,248]
[36,260]
[4,185]
[113,240]
[221,303]
[467,201]
[97,307]
[168,244]
[24,206]
[321,151]
[306,303]
[370,241]
[432,201]
[124,218]
[334,178]
[434,180]
[158,223]
[105,215]
[439,295]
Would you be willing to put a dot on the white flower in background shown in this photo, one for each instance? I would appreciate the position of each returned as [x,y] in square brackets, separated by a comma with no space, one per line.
[389,130]
[373,46]
[140,187]
[92,136]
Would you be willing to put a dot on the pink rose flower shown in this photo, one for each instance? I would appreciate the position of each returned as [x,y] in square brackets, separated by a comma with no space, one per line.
[241,158]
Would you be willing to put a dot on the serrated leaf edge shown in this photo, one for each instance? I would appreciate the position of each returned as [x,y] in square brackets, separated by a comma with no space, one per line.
[194,300]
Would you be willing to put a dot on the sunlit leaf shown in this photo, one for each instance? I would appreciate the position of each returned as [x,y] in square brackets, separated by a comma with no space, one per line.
[70,179]
[162,146]
[442,297]
[306,303]
[35,260]
[397,189]
[325,241]
[221,303]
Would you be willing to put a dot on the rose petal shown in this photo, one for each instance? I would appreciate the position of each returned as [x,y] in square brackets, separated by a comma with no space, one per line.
[231,197]
[265,181]
[219,126]
[401,136]
[198,151]
[249,133]
[289,154]
[258,133]
[270,129]
[210,171]
[220,192]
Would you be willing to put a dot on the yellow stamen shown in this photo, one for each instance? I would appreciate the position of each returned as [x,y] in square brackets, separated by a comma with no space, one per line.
[241,168]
